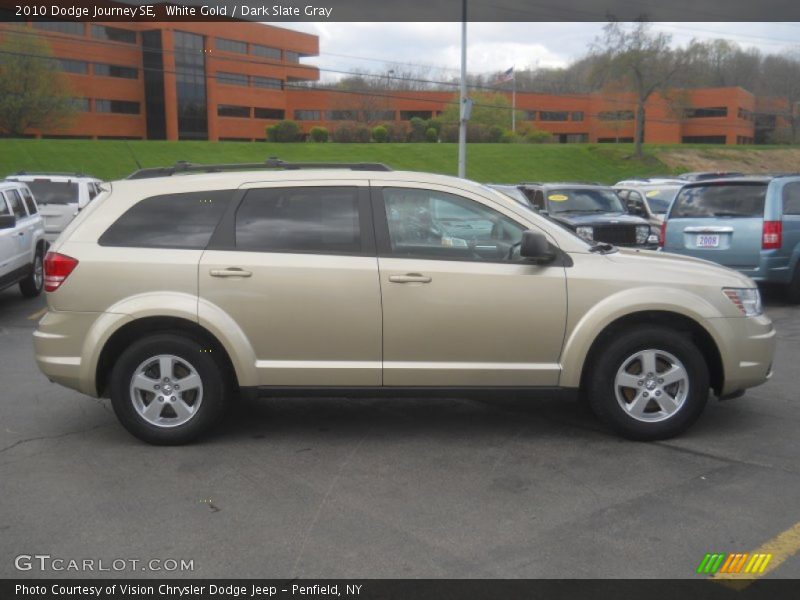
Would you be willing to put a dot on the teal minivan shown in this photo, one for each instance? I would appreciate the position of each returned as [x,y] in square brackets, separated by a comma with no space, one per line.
[750,224]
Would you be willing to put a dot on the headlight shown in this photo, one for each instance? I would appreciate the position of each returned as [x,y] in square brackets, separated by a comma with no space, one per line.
[747,300]
[585,232]
[642,233]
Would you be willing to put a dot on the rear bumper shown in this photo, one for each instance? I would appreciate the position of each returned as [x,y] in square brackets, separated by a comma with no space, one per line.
[771,269]
[749,349]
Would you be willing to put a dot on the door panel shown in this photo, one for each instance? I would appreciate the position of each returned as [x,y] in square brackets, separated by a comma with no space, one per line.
[477,319]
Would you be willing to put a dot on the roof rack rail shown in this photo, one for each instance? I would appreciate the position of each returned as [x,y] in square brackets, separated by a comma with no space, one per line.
[53,173]
[271,163]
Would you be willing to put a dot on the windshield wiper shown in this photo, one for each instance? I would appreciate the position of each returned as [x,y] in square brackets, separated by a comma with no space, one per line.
[602,248]
[728,214]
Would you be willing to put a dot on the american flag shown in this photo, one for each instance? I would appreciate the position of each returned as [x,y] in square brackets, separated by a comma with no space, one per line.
[506,76]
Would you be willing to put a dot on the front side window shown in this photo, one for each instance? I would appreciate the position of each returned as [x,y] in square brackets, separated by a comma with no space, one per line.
[15,201]
[3,205]
[169,221]
[29,203]
[322,220]
[438,225]
[737,200]
[659,199]
[791,198]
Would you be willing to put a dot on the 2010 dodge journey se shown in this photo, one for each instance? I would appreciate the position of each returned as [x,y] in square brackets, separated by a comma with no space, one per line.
[174,291]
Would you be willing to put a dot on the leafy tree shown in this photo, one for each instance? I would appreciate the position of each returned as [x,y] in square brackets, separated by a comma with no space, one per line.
[33,93]
[431,135]
[380,134]
[418,128]
[641,61]
[487,109]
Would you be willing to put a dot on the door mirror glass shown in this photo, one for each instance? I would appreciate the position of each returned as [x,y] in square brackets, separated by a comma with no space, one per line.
[535,247]
[8,221]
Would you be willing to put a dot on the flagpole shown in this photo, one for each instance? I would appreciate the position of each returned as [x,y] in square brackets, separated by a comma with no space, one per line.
[462,122]
[513,102]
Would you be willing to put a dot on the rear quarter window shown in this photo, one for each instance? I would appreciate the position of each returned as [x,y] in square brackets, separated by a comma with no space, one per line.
[184,220]
[708,201]
[791,198]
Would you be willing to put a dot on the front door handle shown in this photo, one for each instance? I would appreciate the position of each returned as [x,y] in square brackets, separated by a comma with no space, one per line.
[410,278]
[230,272]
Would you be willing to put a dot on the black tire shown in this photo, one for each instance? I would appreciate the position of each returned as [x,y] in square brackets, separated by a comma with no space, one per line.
[188,352]
[608,407]
[793,289]
[32,285]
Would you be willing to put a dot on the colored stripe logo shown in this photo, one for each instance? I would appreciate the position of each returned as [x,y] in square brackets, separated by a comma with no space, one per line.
[714,563]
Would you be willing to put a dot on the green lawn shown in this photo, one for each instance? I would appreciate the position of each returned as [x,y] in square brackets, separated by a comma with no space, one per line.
[485,162]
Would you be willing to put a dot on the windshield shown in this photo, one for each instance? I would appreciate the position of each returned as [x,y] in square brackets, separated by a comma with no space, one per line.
[734,200]
[47,191]
[584,200]
[659,199]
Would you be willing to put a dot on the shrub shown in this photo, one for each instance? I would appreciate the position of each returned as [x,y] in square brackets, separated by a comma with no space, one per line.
[418,129]
[362,133]
[398,132]
[431,135]
[318,134]
[494,134]
[345,132]
[537,136]
[283,131]
[380,134]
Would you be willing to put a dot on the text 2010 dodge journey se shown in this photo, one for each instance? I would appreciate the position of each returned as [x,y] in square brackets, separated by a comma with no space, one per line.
[173,292]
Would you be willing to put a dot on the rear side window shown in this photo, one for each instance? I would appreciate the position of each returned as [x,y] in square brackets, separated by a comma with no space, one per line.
[169,221]
[323,220]
[15,201]
[47,191]
[791,198]
[738,200]
[29,203]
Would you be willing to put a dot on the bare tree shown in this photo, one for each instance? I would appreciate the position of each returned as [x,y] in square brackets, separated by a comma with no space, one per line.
[641,60]
[781,76]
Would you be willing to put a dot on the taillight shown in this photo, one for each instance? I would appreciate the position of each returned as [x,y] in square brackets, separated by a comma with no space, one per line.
[662,234]
[772,235]
[57,268]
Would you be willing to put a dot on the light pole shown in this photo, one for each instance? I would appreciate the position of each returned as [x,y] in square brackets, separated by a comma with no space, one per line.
[463,109]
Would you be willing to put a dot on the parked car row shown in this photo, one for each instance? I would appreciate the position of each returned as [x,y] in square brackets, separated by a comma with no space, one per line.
[34,209]
[363,280]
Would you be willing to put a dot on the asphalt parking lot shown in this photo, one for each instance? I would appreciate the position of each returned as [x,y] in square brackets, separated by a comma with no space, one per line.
[394,488]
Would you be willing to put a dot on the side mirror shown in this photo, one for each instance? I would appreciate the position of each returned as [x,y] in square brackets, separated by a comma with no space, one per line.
[536,248]
[8,221]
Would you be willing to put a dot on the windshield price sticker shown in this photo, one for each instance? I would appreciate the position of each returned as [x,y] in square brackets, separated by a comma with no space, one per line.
[557,197]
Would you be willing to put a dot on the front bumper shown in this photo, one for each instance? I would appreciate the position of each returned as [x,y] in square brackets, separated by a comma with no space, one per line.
[748,349]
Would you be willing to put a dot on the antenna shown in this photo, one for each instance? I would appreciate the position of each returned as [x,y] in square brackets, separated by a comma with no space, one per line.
[136,160]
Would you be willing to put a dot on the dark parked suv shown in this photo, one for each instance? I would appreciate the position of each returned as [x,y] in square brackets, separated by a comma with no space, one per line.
[594,212]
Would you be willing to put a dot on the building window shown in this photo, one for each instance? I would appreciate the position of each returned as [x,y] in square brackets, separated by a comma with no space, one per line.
[571,138]
[80,104]
[60,27]
[577,115]
[611,140]
[290,56]
[553,115]
[703,139]
[703,113]
[121,107]
[529,115]
[231,78]
[407,115]
[745,114]
[306,115]
[379,115]
[231,46]
[78,67]
[616,115]
[190,79]
[266,82]
[265,51]
[105,70]
[230,110]
[269,113]
[342,115]
[113,34]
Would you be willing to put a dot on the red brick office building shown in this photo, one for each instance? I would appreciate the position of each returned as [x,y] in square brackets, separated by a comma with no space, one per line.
[228,81]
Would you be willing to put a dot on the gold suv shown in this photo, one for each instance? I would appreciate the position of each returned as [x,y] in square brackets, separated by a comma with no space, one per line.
[178,289]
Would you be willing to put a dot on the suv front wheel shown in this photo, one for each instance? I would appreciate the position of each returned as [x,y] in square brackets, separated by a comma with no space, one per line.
[167,389]
[650,383]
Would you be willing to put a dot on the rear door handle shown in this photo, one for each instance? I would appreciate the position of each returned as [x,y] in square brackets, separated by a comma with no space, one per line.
[410,278]
[230,272]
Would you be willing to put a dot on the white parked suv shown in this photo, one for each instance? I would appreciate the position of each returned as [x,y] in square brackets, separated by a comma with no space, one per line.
[22,243]
[60,196]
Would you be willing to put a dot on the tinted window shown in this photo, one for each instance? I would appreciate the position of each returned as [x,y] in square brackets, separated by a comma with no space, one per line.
[266,82]
[323,220]
[231,78]
[113,34]
[53,192]
[29,203]
[3,206]
[231,46]
[15,201]
[229,110]
[169,221]
[116,71]
[432,224]
[122,107]
[583,201]
[791,198]
[739,200]
[73,66]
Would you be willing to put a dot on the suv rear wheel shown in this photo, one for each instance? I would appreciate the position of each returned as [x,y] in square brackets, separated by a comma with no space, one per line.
[650,383]
[793,291]
[165,389]
[32,285]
